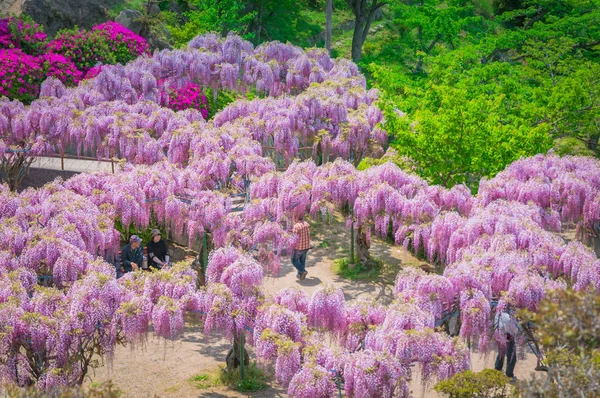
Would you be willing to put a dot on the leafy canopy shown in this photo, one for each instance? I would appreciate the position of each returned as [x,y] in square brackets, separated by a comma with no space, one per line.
[470,86]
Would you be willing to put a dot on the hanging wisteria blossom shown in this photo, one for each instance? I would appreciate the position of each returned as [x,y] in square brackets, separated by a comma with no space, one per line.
[289,152]
[327,309]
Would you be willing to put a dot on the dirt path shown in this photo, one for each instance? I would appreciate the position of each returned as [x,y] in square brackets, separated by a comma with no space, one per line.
[320,261]
[164,369]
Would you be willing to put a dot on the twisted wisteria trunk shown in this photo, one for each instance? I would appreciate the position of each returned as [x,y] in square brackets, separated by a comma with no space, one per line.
[201,262]
[362,249]
[197,266]
[233,356]
[15,167]
[328,24]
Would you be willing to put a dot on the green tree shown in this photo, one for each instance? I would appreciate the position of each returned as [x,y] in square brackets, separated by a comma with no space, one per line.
[456,137]
[425,26]
[254,20]
[466,92]
[217,16]
[364,13]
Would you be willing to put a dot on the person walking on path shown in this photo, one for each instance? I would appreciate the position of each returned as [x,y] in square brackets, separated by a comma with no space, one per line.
[507,325]
[158,252]
[132,255]
[596,237]
[302,231]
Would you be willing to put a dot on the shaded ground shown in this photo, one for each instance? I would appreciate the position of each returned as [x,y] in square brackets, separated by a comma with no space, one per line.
[164,369]
[36,178]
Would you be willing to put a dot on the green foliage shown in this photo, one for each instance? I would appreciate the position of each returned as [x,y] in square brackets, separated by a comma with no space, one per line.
[488,383]
[470,86]
[139,5]
[127,231]
[206,380]
[298,22]
[221,100]
[357,273]
[217,16]
[568,327]
[571,146]
[426,28]
[391,155]
[458,138]
[255,379]
[324,244]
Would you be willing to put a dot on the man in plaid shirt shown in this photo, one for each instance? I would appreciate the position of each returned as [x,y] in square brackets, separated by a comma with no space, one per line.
[302,230]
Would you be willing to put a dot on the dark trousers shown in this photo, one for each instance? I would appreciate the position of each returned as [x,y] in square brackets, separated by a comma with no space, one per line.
[511,356]
[299,260]
[596,241]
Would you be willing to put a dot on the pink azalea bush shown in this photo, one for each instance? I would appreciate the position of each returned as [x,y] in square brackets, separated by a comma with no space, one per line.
[28,58]
[21,32]
[20,75]
[190,96]
[93,72]
[107,43]
[85,48]
[124,44]
[62,68]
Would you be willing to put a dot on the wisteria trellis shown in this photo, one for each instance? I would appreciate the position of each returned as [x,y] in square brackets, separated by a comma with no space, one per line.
[500,243]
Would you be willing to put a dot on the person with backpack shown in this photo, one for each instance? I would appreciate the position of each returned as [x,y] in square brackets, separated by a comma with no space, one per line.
[596,237]
[508,327]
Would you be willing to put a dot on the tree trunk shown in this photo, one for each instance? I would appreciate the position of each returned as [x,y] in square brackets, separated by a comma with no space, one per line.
[357,38]
[318,155]
[593,142]
[14,168]
[201,262]
[233,356]
[328,24]
[362,249]
[224,27]
[197,266]
[258,25]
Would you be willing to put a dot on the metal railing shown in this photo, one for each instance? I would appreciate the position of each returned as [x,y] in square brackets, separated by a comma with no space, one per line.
[63,156]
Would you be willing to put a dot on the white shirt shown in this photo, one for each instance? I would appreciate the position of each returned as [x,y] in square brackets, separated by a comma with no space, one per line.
[506,323]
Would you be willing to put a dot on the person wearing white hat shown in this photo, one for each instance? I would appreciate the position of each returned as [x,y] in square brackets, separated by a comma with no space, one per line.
[158,252]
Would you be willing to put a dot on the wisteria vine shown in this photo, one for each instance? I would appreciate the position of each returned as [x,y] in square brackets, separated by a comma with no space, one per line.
[499,245]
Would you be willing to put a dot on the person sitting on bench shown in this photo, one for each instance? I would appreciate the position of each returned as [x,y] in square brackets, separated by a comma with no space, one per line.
[158,252]
[132,255]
